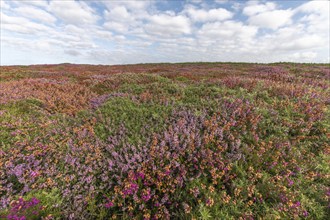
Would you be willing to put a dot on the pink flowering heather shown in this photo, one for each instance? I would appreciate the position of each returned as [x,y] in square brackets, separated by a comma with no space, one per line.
[165,141]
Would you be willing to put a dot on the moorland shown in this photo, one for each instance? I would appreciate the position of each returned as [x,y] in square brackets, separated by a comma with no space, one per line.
[165,141]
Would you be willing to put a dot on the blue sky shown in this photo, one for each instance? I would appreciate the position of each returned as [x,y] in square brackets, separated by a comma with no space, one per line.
[121,32]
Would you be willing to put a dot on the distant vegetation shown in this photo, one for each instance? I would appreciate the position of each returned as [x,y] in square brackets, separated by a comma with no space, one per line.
[165,141]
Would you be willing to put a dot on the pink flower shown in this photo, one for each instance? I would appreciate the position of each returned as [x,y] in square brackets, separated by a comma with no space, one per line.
[34,173]
[146,195]
[108,204]
[290,182]
[305,213]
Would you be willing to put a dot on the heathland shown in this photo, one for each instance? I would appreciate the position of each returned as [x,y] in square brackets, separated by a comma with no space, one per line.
[165,141]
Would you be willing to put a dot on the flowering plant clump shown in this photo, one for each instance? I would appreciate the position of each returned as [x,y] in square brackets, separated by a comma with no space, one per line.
[25,209]
[165,141]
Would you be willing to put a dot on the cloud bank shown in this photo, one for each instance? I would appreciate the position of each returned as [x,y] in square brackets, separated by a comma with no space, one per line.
[120,32]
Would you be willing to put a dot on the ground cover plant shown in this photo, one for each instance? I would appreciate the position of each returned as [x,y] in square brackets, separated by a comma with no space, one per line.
[165,141]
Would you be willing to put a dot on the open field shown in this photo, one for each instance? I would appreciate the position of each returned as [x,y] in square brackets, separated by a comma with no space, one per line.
[161,141]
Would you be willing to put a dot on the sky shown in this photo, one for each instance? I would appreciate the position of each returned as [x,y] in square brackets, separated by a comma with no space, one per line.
[124,32]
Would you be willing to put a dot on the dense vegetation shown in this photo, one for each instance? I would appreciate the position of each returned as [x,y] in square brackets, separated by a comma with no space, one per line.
[160,141]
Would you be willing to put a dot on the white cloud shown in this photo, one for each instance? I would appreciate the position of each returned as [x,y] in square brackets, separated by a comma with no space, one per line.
[74,30]
[103,34]
[37,3]
[136,9]
[167,25]
[35,14]
[254,8]
[317,16]
[201,15]
[119,19]
[118,13]
[303,57]
[73,12]
[303,42]
[116,26]
[227,29]
[271,19]
[319,7]
[267,15]
[22,25]
[131,5]
[4,5]
[28,45]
